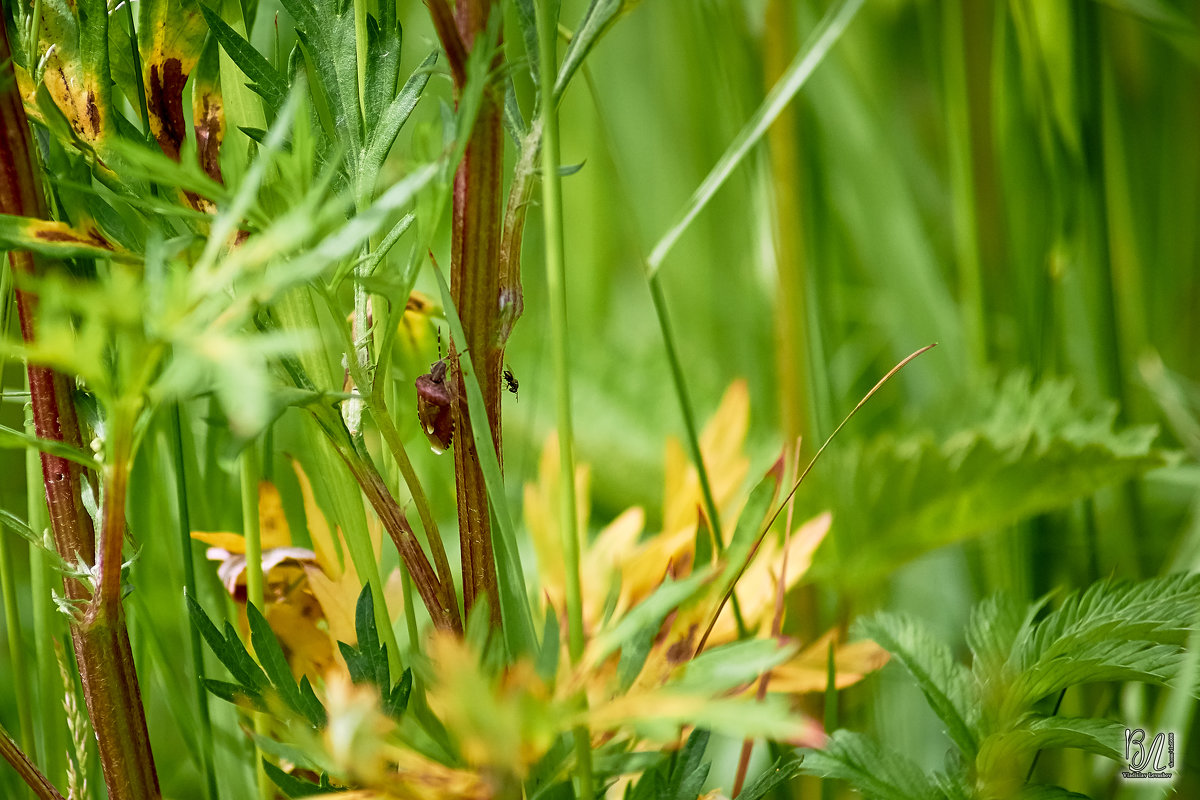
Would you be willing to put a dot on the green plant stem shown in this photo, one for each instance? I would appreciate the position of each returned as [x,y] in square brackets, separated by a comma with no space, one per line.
[34,779]
[12,623]
[183,517]
[252,530]
[8,588]
[678,380]
[797,398]
[251,527]
[101,645]
[51,741]
[962,179]
[689,424]
[556,283]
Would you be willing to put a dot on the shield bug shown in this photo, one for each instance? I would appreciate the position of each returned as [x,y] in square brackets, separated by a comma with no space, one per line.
[434,400]
[510,380]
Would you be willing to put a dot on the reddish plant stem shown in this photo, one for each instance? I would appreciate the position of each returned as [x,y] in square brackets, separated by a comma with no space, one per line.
[475,289]
[438,596]
[101,645]
[34,779]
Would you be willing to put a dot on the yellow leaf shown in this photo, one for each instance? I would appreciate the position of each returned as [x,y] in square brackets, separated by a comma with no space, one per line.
[806,672]
[325,543]
[272,523]
[721,448]
[504,722]
[542,517]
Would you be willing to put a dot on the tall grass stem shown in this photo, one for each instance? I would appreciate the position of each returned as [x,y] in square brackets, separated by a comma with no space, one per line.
[183,518]
[556,283]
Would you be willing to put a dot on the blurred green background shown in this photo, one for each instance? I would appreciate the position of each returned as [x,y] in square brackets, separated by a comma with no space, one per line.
[1017,181]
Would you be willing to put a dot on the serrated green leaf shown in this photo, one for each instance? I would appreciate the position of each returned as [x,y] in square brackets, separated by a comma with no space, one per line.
[863,763]
[265,79]
[1111,631]
[677,776]
[1025,453]
[368,639]
[1001,767]
[232,692]
[944,682]
[271,657]
[395,702]
[384,41]
[1100,736]
[310,706]
[779,773]
[688,770]
[228,649]
[392,118]
[357,663]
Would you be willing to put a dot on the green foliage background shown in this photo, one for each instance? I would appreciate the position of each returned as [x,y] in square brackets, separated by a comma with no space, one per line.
[1017,181]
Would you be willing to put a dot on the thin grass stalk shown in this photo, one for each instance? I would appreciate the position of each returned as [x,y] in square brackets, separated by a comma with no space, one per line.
[16,655]
[556,283]
[797,401]
[251,527]
[787,499]
[776,624]
[962,180]
[252,531]
[1090,78]
[50,728]
[8,588]
[101,643]
[183,518]
[692,437]
[34,779]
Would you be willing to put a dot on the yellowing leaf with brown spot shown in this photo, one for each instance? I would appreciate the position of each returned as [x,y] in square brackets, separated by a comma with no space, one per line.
[170,36]
[57,239]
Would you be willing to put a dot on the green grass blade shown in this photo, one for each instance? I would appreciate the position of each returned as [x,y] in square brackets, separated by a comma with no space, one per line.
[802,67]
[514,601]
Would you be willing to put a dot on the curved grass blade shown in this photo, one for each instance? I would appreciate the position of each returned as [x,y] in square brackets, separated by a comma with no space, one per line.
[822,40]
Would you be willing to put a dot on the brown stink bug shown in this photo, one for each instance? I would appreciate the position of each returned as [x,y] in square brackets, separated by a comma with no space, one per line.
[434,400]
